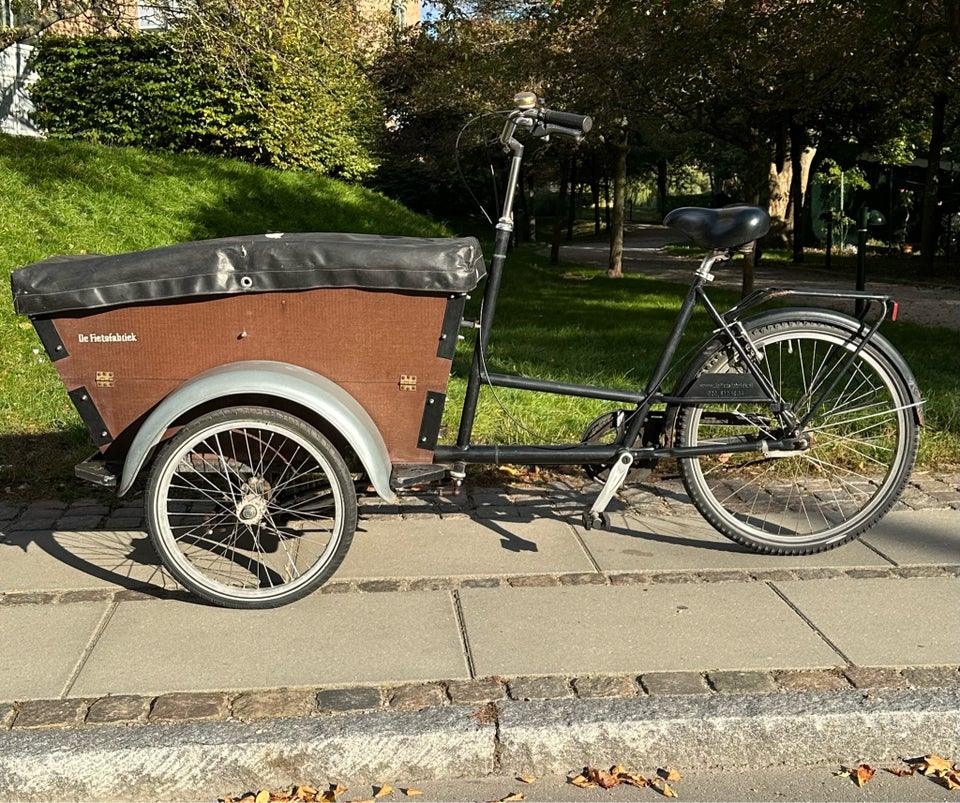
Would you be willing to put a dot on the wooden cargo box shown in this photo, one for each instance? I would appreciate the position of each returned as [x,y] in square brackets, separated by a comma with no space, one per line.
[377,315]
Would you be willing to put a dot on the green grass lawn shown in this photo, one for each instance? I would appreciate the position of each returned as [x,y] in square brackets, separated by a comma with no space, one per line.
[70,198]
[575,324]
[563,323]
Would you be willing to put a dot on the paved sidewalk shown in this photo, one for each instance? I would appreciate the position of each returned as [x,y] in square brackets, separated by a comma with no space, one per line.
[474,634]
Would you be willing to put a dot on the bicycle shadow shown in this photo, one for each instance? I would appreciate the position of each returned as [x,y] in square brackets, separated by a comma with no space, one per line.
[499,508]
[69,559]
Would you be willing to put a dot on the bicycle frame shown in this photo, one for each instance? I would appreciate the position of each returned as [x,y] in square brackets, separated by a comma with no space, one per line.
[754,387]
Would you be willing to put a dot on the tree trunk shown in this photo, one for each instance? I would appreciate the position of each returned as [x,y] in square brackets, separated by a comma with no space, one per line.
[572,204]
[560,211]
[662,188]
[606,202]
[801,157]
[930,221]
[758,166]
[615,267]
[530,193]
[780,181]
[595,193]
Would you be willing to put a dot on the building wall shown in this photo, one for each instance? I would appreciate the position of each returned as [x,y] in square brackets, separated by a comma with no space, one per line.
[15,104]
[407,10]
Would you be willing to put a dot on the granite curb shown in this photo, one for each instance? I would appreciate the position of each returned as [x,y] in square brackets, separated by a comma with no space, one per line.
[202,760]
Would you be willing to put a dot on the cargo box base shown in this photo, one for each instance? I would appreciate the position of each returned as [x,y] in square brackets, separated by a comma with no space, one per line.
[98,471]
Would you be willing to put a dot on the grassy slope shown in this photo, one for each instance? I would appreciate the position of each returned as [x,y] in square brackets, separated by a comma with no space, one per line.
[63,198]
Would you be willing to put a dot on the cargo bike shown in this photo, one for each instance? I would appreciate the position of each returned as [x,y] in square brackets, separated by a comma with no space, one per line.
[258,382]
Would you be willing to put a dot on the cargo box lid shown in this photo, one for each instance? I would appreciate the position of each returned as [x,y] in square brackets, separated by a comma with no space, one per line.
[259,263]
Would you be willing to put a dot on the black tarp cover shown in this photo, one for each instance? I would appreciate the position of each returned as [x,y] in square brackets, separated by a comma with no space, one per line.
[250,264]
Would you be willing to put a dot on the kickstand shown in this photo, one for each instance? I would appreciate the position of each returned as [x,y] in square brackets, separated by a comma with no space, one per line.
[597,514]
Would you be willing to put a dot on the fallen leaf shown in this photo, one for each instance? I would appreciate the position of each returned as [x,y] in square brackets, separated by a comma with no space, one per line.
[603,779]
[616,769]
[526,779]
[951,779]
[328,796]
[668,791]
[930,765]
[670,774]
[581,781]
[263,796]
[362,800]
[633,779]
[864,774]
[843,772]
[337,788]
[900,772]
[411,792]
[382,791]
[513,797]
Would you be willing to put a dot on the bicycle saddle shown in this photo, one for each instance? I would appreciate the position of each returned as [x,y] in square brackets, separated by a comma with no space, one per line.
[730,227]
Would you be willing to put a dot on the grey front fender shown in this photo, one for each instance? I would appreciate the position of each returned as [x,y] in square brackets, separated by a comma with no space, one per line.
[267,378]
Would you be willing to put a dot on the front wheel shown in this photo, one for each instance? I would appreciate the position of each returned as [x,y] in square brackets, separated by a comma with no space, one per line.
[249,507]
[862,444]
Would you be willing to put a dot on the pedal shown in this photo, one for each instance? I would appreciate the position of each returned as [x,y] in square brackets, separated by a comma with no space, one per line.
[618,473]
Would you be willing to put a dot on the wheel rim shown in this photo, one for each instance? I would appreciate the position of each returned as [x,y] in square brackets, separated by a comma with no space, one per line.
[249,509]
[859,445]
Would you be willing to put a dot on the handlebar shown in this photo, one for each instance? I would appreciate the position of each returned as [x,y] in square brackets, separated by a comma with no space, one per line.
[544,122]
[580,123]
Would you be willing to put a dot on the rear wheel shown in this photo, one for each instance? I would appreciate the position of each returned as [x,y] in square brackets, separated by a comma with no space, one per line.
[863,443]
[249,507]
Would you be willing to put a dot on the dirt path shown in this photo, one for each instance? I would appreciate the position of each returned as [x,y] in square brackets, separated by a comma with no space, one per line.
[927,305]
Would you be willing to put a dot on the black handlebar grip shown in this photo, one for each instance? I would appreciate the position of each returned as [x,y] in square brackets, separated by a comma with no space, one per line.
[579,122]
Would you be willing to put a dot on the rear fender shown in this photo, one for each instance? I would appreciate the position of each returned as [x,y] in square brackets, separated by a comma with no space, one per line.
[839,320]
[290,383]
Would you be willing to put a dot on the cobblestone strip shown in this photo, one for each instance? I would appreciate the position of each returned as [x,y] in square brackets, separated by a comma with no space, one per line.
[559,495]
[402,585]
[246,706]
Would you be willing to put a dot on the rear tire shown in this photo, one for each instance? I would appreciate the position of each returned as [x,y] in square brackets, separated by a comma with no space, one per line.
[863,444]
[249,507]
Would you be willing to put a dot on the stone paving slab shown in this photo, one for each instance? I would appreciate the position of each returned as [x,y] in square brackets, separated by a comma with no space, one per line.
[41,646]
[884,622]
[918,536]
[42,560]
[167,646]
[688,543]
[431,547]
[608,630]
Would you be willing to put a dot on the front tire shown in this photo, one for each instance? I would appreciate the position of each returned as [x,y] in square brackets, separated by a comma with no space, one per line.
[863,444]
[249,507]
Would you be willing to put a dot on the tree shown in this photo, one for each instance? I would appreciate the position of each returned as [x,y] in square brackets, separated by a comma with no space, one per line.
[90,16]
[463,66]
[596,50]
[294,73]
[927,41]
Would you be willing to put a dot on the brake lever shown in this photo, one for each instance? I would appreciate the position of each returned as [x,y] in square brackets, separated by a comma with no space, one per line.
[544,130]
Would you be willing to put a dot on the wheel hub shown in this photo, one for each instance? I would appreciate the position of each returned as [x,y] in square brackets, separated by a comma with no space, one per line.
[252,507]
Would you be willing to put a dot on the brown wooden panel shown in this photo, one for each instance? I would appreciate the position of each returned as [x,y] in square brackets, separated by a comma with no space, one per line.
[130,358]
